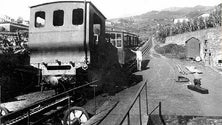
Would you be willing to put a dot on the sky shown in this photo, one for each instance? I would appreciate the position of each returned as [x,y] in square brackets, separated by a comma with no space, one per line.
[110,8]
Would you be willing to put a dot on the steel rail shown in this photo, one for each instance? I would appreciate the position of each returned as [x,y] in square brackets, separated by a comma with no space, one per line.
[32,113]
[32,109]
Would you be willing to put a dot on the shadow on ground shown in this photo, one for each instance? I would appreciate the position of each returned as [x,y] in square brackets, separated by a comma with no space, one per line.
[134,79]
[145,64]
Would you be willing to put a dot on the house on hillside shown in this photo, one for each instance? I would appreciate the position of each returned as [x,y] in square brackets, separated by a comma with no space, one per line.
[5,18]
[193,47]
[180,20]
[205,15]
[13,27]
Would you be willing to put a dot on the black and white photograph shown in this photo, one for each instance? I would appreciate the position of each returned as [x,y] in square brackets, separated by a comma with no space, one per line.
[110,62]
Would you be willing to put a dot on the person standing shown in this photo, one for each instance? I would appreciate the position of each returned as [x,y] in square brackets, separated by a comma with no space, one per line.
[139,58]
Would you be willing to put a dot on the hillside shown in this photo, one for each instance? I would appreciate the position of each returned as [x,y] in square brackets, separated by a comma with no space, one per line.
[213,35]
[147,24]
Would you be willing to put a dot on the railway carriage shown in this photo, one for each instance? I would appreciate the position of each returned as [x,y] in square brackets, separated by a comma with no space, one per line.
[124,42]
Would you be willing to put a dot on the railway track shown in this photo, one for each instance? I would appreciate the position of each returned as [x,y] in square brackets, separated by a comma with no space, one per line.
[146,47]
[45,109]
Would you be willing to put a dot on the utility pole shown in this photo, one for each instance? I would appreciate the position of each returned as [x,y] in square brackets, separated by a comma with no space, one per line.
[85,44]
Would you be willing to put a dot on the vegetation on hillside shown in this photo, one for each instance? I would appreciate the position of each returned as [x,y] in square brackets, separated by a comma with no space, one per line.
[160,23]
[172,51]
[194,24]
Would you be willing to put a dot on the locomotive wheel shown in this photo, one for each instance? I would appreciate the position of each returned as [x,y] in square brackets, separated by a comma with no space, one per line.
[3,111]
[75,116]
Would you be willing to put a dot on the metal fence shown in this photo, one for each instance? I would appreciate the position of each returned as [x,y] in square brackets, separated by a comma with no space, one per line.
[127,111]
[160,113]
[126,114]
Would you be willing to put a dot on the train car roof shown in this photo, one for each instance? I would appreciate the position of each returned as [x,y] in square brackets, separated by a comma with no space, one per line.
[122,32]
[68,2]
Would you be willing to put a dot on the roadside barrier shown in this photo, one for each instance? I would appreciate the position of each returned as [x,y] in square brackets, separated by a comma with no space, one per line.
[127,111]
[126,114]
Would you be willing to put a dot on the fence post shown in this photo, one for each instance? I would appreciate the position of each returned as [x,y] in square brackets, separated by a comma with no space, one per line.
[160,109]
[69,108]
[146,99]
[94,96]
[28,117]
[127,112]
[140,109]
[128,118]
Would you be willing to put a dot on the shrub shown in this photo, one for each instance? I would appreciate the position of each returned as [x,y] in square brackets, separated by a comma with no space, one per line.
[172,50]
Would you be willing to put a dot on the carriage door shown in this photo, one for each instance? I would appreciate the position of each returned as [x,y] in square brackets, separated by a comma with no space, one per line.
[96,40]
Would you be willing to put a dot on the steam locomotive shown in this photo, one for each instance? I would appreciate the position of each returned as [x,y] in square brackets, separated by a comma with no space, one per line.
[67,43]
[68,47]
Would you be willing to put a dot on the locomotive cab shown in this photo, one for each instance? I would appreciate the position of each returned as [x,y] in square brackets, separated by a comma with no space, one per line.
[66,36]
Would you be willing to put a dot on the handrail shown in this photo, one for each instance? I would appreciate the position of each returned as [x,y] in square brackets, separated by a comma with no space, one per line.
[127,111]
[154,110]
[160,112]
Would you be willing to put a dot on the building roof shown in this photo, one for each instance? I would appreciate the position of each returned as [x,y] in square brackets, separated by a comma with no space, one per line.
[118,31]
[17,24]
[192,38]
[67,2]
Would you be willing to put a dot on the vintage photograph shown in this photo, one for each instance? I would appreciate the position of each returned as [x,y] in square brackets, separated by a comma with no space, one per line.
[110,62]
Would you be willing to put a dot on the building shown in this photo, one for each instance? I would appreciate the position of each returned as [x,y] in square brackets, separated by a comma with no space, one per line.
[180,20]
[193,47]
[205,16]
[13,27]
[5,18]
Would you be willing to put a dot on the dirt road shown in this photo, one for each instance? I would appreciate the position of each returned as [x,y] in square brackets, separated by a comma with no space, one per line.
[177,100]
[175,97]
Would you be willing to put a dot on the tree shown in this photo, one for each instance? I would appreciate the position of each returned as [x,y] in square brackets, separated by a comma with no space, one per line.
[211,21]
[2,29]
[20,20]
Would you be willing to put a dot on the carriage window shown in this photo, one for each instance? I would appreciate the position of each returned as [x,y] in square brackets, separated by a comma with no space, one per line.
[125,40]
[77,16]
[118,36]
[131,39]
[134,40]
[118,43]
[107,37]
[113,42]
[40,19]
[58,17]
[112,36]
[112,39]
